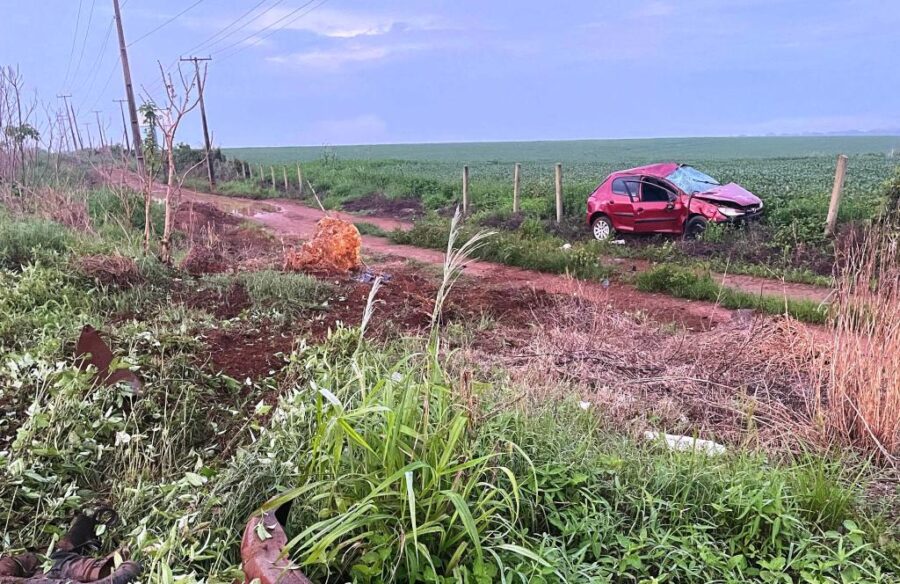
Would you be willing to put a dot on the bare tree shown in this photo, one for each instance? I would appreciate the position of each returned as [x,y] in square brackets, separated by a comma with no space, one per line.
[178,103]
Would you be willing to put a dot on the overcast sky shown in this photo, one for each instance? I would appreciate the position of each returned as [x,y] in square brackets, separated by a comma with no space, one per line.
[349,71]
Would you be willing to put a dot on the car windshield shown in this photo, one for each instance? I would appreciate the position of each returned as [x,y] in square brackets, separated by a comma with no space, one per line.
[691,180]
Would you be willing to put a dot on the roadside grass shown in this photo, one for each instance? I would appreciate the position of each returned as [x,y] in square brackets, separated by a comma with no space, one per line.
[371,229]
[23,241]
[272,291]
[687,283]
[518,249]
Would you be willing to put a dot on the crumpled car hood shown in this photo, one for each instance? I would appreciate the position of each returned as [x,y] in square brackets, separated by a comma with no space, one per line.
[730,193]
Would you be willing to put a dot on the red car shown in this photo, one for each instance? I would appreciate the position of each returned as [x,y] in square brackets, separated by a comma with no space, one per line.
[666,198]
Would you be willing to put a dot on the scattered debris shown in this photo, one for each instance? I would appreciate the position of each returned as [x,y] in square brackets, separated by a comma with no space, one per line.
[101,357]
[69,562]
[262,548]
[686,443]
[618,242]
[367,276]
[567,246]
[335,247]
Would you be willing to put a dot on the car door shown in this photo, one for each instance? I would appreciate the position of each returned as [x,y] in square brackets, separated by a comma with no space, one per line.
[656,210]
[625,191]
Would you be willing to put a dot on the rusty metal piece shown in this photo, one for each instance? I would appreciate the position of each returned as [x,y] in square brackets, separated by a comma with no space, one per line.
[20,565]
[101,357]
[261,554]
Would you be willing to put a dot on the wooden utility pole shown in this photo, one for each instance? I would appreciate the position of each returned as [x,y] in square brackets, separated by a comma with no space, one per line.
[559,199]
[87,130]
[100,130]
[465,200]
[121,103]
[200,82]
[129,92]
[65,99]
[300,179]
[517,185]
[837,190]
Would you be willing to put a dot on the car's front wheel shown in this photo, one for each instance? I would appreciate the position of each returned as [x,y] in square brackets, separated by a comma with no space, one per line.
[695,227]
[602,228]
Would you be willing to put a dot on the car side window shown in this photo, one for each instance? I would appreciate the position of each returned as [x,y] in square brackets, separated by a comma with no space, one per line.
[634,188]
[619,188]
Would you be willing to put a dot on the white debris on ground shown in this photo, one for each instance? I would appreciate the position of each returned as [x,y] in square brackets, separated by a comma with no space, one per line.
[686,443]
[567,246]
[618,242]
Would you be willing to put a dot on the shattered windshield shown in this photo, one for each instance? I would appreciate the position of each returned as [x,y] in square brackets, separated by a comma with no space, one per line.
[691,180]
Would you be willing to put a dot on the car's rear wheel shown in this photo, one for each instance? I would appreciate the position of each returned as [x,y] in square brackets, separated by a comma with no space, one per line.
[602,228]
[695,227]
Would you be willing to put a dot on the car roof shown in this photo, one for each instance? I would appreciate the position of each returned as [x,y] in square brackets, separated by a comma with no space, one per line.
[660,169]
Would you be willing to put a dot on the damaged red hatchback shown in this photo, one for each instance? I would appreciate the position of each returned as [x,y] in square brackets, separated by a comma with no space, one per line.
[666,198]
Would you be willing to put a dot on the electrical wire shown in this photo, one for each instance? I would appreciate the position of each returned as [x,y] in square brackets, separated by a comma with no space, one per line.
[258,32]
[74,42]
[87,32]
[98,62]
[234,22]
[166,23]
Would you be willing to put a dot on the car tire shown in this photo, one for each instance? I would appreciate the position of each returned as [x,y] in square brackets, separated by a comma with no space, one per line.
[602,228]
[695,227]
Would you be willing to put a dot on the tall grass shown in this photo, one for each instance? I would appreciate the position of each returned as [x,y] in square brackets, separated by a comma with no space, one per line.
[860,377]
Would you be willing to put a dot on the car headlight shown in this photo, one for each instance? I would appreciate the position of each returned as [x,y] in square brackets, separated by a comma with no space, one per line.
[729,212]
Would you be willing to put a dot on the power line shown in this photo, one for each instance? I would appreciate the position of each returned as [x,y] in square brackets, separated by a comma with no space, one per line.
[166,23]
[74,42]
[87,32]
[240,18]
[95,69]
[260,39]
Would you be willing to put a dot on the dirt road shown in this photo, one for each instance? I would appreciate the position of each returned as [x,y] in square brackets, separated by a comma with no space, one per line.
[292,220]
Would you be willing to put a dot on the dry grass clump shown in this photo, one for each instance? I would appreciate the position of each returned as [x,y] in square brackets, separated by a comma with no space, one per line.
[859,374]
[204,259]
[67,208]
[110,270]
[737,383]
[335,247]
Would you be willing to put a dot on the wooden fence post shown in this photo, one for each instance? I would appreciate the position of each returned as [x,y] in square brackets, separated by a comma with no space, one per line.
[300,179]
[272,171]
[465,201]
[517,185]
[244,170]
[262,175]
[837,190]
[559,199]
[286,185]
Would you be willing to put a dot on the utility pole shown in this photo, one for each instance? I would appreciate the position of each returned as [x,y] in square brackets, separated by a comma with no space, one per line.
[121,103]
[75,125]
[100,130]
[129,92]
[200,86]
[65,99]
[87,130]
[200,81]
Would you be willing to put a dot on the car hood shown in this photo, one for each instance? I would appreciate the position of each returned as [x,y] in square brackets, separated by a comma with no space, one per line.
[730,193]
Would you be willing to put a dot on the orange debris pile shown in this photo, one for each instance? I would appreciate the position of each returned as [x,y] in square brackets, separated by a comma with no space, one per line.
[335,247]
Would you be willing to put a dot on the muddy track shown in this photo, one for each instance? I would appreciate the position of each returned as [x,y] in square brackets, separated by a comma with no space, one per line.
[291,220]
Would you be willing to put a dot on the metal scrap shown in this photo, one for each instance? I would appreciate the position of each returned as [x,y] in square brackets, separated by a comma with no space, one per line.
[262,550]
[91,345]
[367,276]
